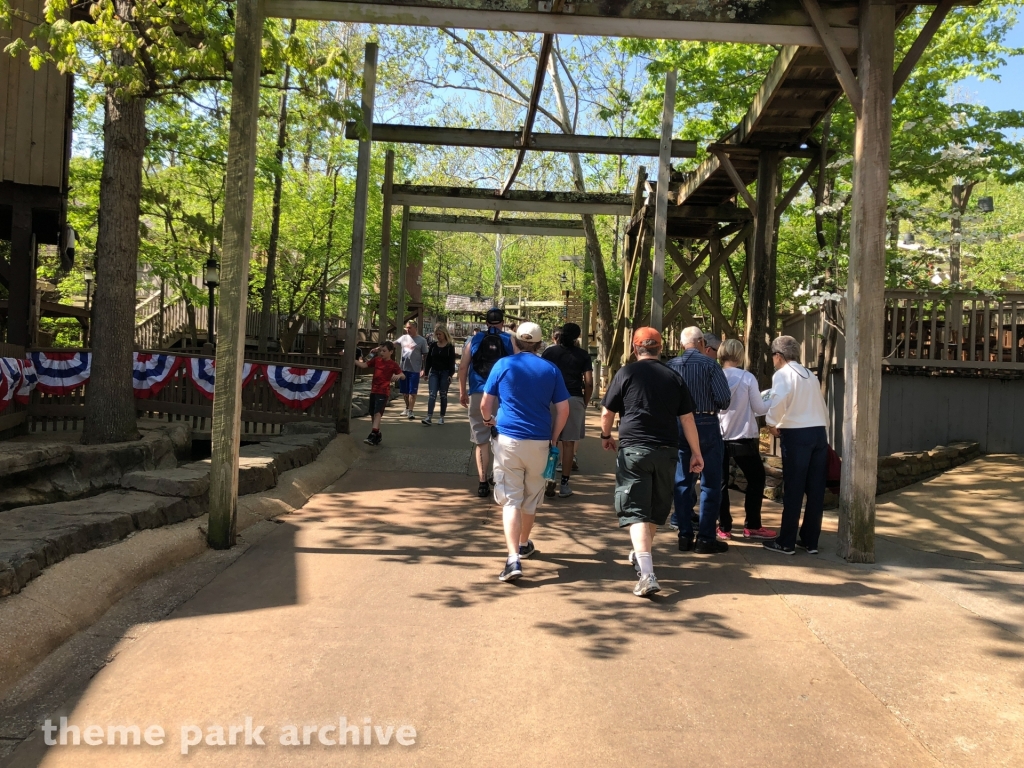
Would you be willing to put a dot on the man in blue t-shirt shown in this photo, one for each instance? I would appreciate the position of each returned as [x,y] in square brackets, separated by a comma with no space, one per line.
[478,358]
[522,388]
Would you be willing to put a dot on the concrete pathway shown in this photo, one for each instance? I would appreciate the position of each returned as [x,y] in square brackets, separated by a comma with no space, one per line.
[379,602]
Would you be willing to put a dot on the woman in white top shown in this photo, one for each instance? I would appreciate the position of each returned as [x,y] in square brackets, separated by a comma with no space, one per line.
[798,415]
[740,432]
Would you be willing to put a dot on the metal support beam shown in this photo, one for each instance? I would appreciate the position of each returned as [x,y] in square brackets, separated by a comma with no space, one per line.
[236,248]
[403,265]
[668,114]
[536,142]
[385,246]
[346,380]
[921,43]
[609,25]
[434,222]
[865,300]
[834,52]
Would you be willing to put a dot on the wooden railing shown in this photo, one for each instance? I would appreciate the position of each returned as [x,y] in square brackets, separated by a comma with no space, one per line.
[959,330]
[179,400]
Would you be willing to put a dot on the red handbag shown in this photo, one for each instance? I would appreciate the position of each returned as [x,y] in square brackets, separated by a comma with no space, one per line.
[834,471]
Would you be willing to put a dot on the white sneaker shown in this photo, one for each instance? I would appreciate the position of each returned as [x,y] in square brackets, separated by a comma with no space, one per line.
[441,420]
[647,585]
[564,490]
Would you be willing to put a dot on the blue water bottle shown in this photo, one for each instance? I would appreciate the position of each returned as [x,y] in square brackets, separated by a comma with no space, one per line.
[549,470]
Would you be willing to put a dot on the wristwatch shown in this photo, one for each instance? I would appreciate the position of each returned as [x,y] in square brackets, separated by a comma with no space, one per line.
[606,437]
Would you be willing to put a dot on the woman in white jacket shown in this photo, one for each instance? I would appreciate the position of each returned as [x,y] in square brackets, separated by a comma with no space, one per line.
[742,445]
[798,415]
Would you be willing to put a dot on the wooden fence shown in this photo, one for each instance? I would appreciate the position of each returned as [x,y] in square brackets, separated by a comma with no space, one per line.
[958,330]
[179,400]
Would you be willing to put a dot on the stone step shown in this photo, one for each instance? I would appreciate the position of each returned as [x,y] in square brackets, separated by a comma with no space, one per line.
[34,537]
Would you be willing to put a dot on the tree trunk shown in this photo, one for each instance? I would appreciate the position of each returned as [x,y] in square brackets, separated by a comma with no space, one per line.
[109,398]
[604,304]
[275,211]
[327,259]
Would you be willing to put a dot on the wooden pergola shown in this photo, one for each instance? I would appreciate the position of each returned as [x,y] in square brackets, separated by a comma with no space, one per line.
[846,48]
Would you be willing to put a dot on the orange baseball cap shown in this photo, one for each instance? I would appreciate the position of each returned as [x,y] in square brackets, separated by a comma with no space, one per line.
[646,337]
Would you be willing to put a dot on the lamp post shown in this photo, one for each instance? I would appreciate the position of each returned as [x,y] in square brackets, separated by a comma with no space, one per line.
[212,280]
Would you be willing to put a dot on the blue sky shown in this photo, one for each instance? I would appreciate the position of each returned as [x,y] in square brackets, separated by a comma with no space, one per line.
[1008,93]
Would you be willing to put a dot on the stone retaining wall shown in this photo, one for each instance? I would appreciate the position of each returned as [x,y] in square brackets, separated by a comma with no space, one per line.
[35,537]
[894,472]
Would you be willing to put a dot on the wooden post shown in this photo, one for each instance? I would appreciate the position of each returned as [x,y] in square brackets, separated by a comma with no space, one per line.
[760,265]
[23,277]
[865,301]
[355,274]
[716,283]
[385,247]
[403,264]
[661,203]
[236,249]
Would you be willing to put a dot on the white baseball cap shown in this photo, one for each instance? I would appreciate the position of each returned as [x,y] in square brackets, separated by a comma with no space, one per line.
[529,332]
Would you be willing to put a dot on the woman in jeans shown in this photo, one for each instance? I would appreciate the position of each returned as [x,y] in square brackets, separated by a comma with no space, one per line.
[439,367]
[740,432]
[798,416]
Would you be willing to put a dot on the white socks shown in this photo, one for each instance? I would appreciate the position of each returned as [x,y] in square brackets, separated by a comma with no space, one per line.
[646,563]
[512,559]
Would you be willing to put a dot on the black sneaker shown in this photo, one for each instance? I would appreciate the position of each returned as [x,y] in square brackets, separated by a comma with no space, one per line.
[549,489]
[808,550]
[710,547]
[370,440]
[526,550]
[511,571]
[379,438]
[686,543]
[483,490]
[774,546]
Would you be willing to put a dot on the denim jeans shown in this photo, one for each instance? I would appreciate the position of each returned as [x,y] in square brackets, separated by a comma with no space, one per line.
[712,449]
[439,383]
[804,472]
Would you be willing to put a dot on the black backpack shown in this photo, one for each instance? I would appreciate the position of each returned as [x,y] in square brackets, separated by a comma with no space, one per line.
[490,350]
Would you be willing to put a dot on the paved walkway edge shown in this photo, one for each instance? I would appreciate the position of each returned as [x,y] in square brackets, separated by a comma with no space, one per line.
[72,595]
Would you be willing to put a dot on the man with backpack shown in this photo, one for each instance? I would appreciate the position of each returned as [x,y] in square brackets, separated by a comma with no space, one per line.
[478,358]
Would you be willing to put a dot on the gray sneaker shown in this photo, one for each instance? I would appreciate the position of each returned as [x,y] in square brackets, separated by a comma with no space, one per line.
[564,490]
[441,420]
[647,585]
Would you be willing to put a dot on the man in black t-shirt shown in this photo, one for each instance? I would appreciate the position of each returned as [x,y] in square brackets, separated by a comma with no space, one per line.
[651,400]
[578,373]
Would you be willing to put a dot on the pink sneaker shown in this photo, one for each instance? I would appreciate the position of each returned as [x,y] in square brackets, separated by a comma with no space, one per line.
[759,533]
[723,535]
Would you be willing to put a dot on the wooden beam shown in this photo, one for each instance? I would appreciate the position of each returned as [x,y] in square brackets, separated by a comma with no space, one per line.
[538,142]
[451,223]
[794,190]
[865,300]
[608,25]
[734,176]
[385,246]
[834,51]
[760,272]
[469,198]
[668,114]
[346,380]
[236,248]
[403,265]
[701,294]
[921,43]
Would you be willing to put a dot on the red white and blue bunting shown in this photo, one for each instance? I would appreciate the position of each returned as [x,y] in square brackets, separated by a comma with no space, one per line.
[58,373]
[27,383]
[202,371]
[298,387]
[10,379]
[151,373]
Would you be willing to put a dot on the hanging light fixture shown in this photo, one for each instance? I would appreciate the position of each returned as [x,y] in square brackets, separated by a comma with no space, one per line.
[986,204]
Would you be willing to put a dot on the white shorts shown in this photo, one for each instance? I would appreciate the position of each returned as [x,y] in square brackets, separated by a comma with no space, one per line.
[519,472]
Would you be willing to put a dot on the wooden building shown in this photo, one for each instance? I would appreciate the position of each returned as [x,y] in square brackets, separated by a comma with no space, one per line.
[35,150]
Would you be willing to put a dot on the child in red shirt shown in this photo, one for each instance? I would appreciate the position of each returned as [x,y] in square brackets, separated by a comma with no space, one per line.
[385,371]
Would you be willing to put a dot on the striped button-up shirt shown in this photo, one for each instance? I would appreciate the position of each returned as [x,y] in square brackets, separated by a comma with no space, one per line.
[705,379]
